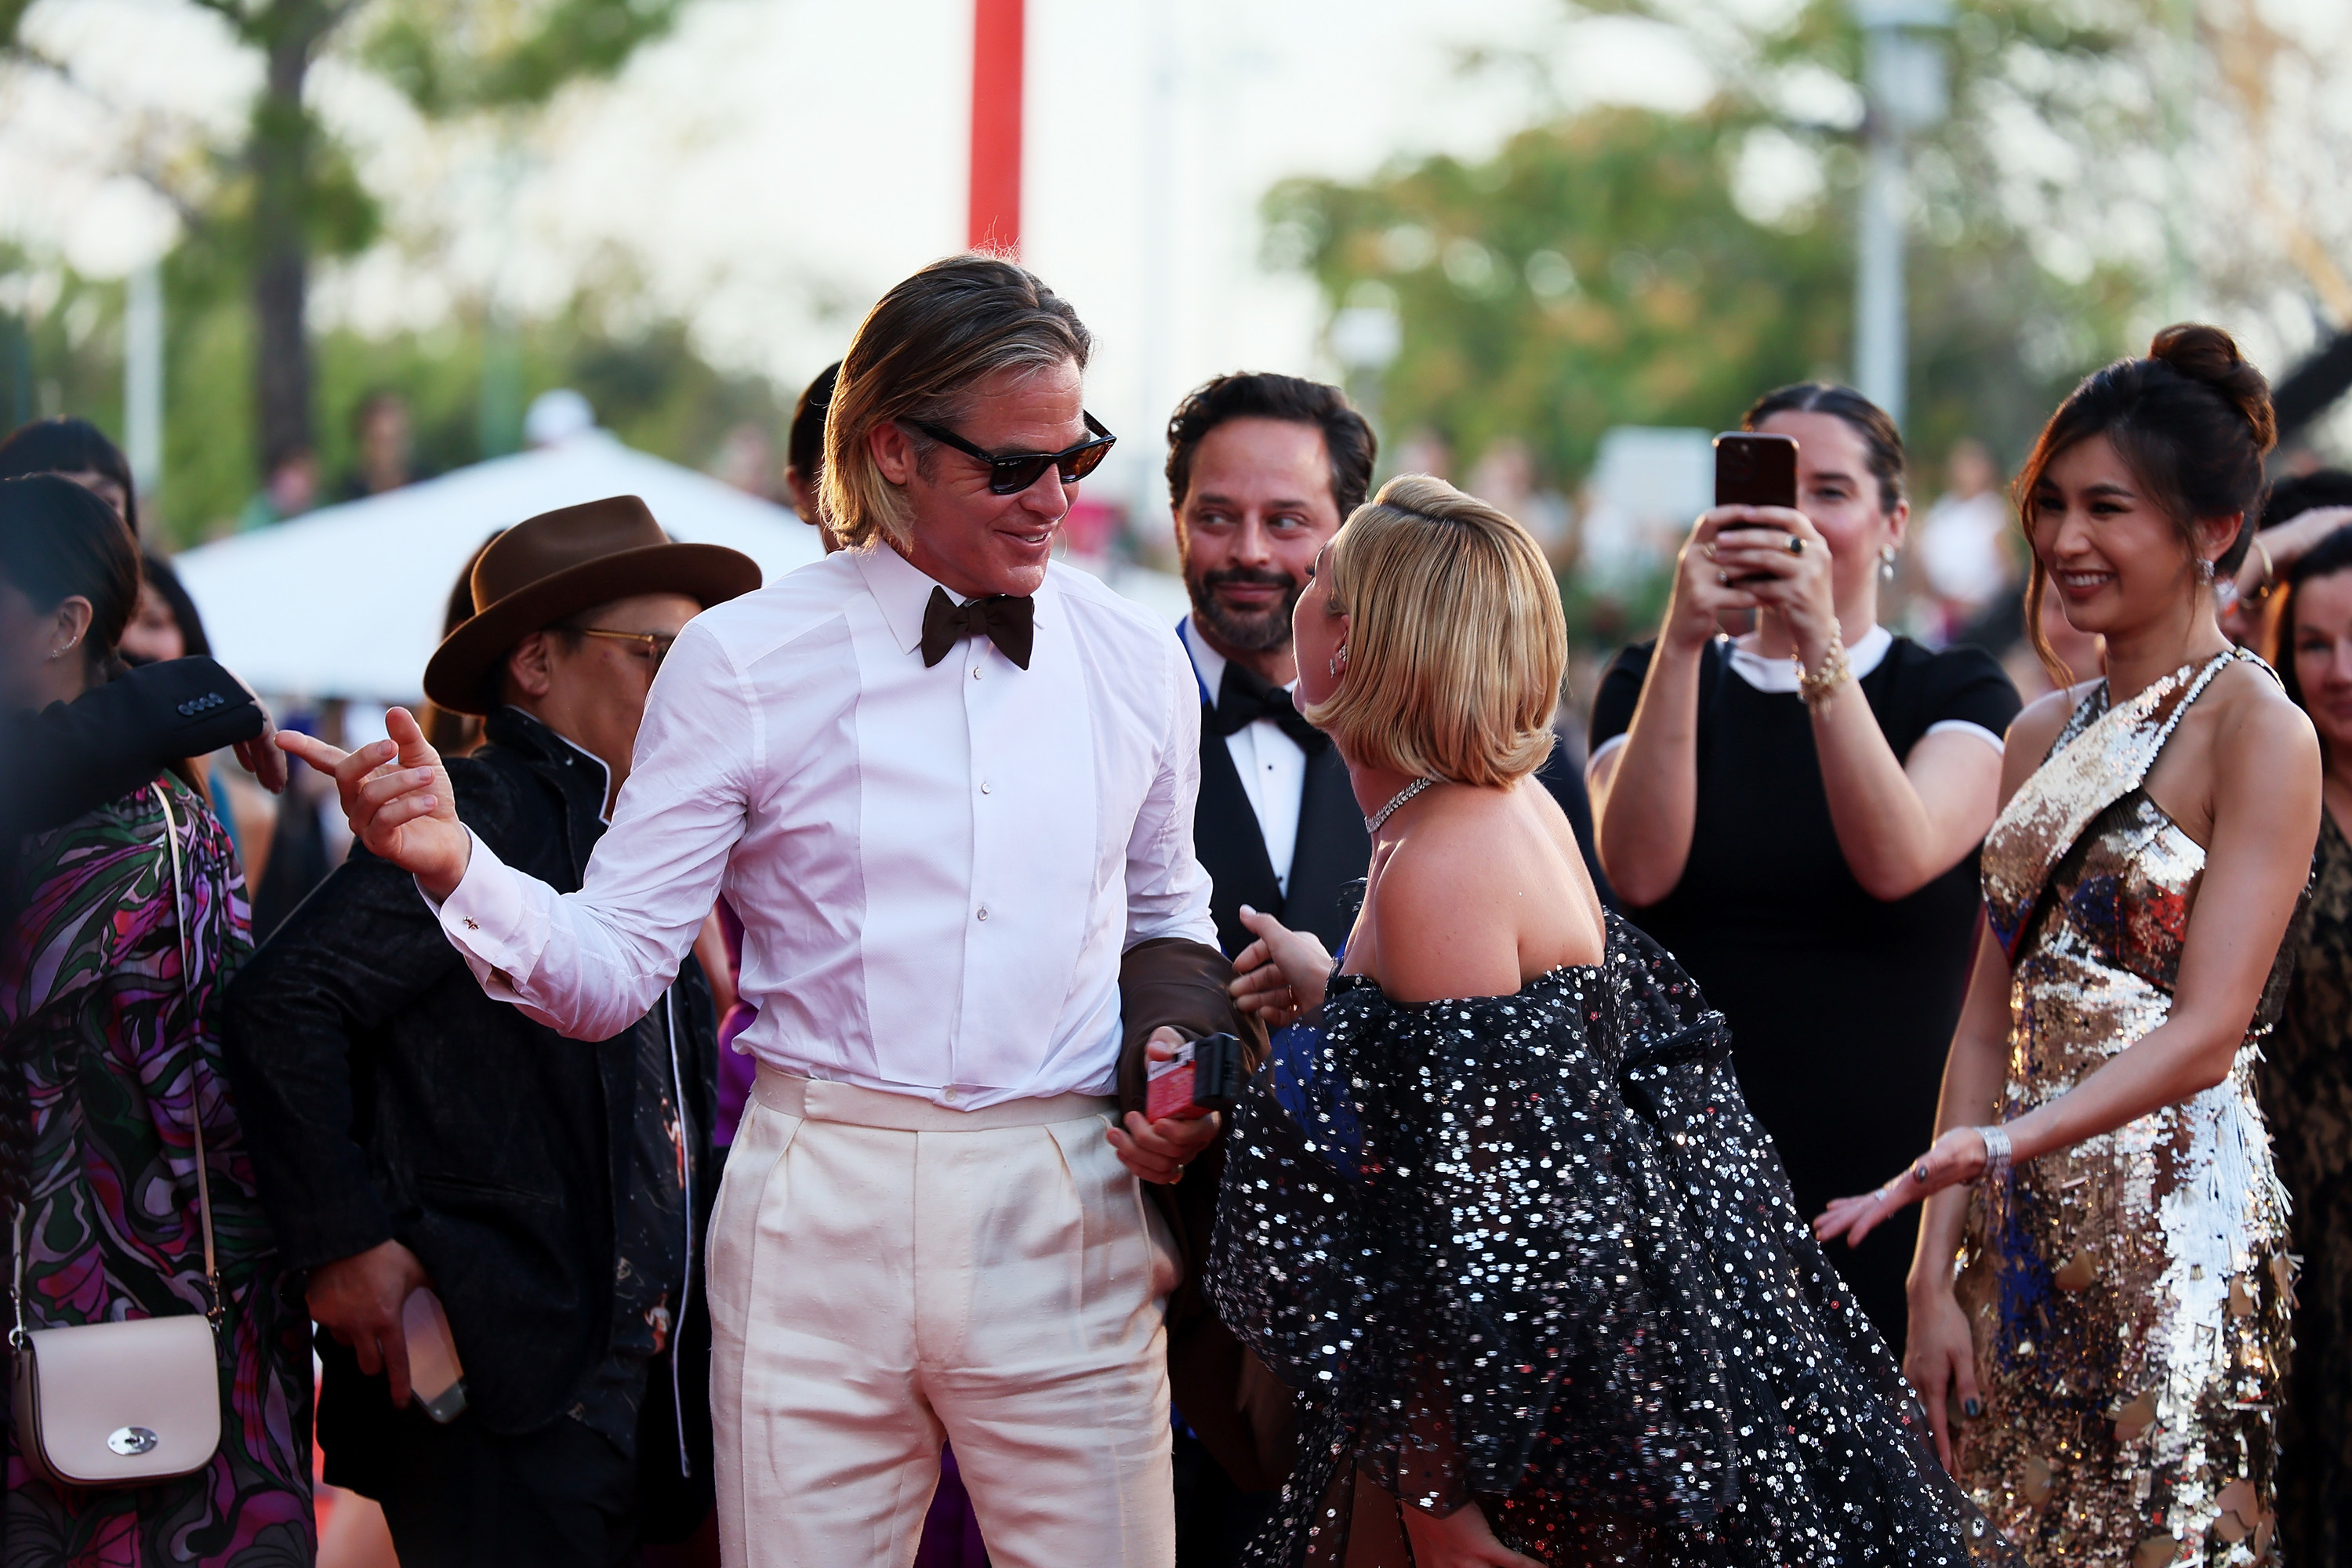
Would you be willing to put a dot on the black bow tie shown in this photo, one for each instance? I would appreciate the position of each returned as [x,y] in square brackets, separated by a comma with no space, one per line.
[1010,623]
[1242,699]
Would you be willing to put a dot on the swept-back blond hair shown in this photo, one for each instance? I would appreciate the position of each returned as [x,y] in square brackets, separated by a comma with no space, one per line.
[915,356]
[1456,643]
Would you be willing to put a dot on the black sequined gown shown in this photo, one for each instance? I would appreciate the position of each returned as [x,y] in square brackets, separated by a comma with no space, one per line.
[1532,1249]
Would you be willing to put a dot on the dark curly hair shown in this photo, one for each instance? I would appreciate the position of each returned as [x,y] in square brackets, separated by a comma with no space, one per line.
[1261,394]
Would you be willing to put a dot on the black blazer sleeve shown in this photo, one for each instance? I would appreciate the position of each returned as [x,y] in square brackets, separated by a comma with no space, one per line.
[71,757]
[314,998]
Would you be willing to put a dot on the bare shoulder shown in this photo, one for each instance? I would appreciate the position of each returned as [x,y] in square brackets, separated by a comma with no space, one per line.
[1442,929]
[2257,727]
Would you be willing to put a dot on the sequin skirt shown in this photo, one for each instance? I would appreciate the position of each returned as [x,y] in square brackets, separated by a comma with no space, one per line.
[2130,1301]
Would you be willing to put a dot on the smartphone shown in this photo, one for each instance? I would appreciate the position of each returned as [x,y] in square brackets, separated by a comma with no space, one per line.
[1752,470]
[1755,470]
[1204,1074]
[436,1383]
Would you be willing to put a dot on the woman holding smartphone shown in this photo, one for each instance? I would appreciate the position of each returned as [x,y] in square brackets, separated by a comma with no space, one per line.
[2118,1335]
[1795,814]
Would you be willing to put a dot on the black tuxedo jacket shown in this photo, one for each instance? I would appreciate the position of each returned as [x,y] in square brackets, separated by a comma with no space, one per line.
[1330,855]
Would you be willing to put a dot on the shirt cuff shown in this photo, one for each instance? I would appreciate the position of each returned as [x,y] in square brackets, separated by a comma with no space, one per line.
[490,923]
[1602,749]
[2000,746]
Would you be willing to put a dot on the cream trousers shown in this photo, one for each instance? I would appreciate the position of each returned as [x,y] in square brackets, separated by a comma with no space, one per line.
[885,1273]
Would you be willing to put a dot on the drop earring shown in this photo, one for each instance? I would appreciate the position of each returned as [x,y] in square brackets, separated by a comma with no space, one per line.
[1887,561]
[2205,571]
[1339,662]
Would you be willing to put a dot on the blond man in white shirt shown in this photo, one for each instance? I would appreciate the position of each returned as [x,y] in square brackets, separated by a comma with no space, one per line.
[948,786]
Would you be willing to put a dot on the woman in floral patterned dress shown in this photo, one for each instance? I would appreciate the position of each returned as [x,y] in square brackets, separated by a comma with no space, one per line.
[107,1058]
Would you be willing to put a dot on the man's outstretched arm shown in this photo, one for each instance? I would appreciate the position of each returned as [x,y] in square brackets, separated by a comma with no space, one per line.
[587,964]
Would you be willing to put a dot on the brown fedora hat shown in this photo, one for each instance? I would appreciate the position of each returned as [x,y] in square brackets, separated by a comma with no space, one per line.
[561,563]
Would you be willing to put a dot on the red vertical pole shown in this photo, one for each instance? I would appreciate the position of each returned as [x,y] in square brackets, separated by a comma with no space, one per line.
[997,49]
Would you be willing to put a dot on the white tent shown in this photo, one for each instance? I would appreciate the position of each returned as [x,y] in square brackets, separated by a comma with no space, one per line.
[347,601]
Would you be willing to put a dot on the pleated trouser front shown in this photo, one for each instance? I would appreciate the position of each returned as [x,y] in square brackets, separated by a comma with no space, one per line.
[885,1272]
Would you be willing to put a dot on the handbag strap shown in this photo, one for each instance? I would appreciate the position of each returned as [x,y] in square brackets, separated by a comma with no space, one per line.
[17,1335]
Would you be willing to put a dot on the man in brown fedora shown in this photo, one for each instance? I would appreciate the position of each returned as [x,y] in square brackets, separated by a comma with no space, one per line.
[408,1132]
[948,784]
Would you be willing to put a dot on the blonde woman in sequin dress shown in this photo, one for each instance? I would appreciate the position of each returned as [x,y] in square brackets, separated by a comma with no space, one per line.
[2115,1338]
[1497,1210]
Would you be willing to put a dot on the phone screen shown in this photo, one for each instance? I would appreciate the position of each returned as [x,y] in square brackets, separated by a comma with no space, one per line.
[1755,470]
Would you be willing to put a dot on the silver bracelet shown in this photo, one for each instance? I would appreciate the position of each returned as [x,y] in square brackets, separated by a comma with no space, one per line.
[1998,1151]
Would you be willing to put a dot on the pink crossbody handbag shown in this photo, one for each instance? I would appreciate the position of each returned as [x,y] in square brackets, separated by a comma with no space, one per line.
[124,1403]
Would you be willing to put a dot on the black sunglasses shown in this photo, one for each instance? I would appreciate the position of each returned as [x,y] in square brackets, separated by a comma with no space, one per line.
[1012,474]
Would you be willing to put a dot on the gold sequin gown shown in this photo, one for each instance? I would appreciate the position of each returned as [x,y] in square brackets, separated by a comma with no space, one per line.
[2129,1297]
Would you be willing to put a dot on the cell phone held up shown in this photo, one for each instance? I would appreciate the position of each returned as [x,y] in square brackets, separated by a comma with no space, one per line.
[1203,1074]
[1752,469]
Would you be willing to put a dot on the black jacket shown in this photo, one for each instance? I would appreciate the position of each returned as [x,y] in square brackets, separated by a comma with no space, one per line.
[1329,854]
[384,1096]
[63,760]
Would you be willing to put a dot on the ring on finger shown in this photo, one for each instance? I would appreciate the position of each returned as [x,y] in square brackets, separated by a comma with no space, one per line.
[1796,544]
[1724,578]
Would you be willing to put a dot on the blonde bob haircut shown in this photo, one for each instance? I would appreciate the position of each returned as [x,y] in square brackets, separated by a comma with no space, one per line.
[1456,643]
[917,356]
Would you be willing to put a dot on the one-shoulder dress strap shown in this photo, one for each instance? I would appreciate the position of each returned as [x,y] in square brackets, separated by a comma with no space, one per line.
[2103,754]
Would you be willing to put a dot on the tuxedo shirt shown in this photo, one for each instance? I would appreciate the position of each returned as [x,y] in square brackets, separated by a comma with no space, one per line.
[937,869]
[1273,766]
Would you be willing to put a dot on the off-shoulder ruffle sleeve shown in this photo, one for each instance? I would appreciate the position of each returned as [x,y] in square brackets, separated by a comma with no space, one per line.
[1534,1250]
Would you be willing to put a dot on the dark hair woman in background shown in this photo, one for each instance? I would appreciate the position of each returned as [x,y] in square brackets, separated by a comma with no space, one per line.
[1796,815]
[2306,1077]
[79,451]
[109,1062]
[2117,1337]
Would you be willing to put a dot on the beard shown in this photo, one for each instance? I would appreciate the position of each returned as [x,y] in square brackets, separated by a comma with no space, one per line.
[1254,631]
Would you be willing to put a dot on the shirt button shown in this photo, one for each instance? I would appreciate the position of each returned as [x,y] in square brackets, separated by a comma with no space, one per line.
[949,1098]
[983,786]
[983,912]
[975,672]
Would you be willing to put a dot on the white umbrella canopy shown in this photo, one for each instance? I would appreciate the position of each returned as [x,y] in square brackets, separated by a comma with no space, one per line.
[347,601]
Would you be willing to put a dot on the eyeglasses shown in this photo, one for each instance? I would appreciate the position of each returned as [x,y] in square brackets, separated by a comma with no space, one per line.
[654,646]
[1012,474]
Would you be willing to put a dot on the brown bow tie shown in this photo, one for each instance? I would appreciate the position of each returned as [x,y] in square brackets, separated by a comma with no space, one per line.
[1008,622]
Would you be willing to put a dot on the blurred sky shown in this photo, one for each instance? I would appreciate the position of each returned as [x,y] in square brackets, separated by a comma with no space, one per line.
[766,170]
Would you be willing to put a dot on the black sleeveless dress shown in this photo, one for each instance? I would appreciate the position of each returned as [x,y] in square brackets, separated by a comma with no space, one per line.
[1533,1250]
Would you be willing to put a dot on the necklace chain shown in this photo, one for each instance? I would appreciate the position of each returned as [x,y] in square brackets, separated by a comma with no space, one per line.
[1372,823]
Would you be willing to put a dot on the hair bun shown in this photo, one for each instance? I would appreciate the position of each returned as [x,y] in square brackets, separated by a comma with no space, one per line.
[2208,354]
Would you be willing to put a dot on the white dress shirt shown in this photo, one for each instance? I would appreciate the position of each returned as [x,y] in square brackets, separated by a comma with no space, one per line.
[1273,766]
[937,869]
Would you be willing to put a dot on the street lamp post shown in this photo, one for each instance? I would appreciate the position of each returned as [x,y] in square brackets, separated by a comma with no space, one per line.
[1905,88]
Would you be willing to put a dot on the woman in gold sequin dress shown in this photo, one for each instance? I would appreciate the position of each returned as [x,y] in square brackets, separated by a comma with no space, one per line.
[2116,1336]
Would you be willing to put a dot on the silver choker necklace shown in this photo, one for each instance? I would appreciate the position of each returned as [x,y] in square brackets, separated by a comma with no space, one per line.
[1372,823]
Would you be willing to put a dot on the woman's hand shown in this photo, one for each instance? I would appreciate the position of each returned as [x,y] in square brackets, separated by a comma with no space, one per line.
[1462,1539]
[398,796]
[2270,557]
[1281,974]
[1957,1157]
[1939,1361]
[1704,590]
[1783,565]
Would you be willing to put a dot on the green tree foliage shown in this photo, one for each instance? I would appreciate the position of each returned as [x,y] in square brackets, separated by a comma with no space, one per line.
[647,384]
[1599,273]
[289,194]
